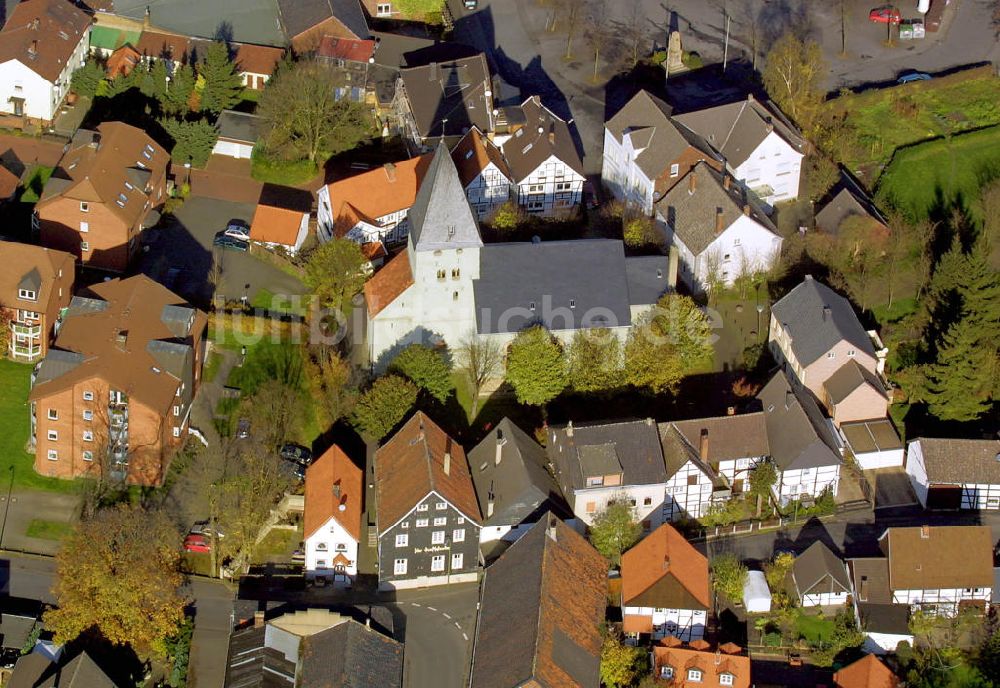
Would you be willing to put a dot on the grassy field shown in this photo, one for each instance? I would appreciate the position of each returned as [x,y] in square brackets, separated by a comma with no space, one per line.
[283,173]
[212,364]
[277,546]
[275,303]
[886,119]
[48,530]
[34,183]
[927,179]
[15,428]
[814,629]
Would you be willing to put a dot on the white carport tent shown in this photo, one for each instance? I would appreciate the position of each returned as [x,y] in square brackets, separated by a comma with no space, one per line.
[756,594]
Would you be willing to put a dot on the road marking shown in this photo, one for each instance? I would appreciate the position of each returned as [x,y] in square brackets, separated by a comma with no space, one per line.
[432,609]
[457,626]
[465,636]
[414,604]
[446,615]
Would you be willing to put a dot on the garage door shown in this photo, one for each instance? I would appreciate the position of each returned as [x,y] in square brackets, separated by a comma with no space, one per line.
[944,497]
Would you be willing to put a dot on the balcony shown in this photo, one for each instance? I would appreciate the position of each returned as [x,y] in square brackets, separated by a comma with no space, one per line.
[26,350]
[118,417]
[33,331]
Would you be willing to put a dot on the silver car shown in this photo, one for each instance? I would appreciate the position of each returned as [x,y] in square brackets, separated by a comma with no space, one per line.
[237,229]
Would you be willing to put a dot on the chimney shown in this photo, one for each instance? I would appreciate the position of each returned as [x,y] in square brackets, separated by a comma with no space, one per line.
[718,658]
[826,313]
[121,339]
[703,445]
[368,622]
[147,22]
[649,422]
[258,619]
[730,410]
[719,220]
[550,530]
[489,507]
[727,182]
[390,172]
[552,138]
[33,48]
[863,589]
[692,182]
[501,440]
[746,209]
[336,489]
[36,23]
[789,399]
[447,462]
[569,429]
[666,562]
[433,71]
[925,532]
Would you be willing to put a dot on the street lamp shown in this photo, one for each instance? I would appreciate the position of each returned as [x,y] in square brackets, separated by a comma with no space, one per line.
[760,309]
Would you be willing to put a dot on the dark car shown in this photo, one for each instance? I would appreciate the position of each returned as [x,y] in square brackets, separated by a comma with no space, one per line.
[224,241]
[296,454]
[913,76]
[243,428]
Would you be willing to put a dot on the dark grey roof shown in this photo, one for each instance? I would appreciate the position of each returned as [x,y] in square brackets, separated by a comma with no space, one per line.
[543,135]
[736,129]
[81,305]
[177,359]
[248,21]
[441,217]
[15,629]
[542,603]
[637,444]
[36,671]
[960,461]
[252,665]
[846,199]
[647,279]
[454,90]
[564,285]
[137,177]
[32,281]
[870,578]
[299,16]
[519,484]
[349,655]
[239,126]
[693,204]
[818,570]
[813,329]
[646,119]
[56,364]
[892,619]
[677,451]
[392,49]
[866,436]
[848,378]
[797,433]
[178,319]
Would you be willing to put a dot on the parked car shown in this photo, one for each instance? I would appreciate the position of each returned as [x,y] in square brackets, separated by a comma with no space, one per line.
[296,454]
[292,470]
[299,556]
[885,15]
[243,428]
[471,4]
[224,241]
[238,229]
[197,543]
[913,76]
[205,529]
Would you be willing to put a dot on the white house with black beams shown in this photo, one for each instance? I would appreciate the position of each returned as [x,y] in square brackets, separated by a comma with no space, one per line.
[955,474]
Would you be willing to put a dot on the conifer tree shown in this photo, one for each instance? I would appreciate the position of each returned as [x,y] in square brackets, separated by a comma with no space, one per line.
[222,81]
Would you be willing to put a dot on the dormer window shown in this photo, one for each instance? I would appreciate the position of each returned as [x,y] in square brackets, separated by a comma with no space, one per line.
[694,675]
[726,679]
[675,169]
[84,207]
[128,185]
[666,672]
[595,481]
[27,294]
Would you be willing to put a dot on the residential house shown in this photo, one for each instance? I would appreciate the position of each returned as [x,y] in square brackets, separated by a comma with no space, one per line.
[114,394]
[955,473]
[483,172]
[387,9]
[698,665]
[542,604]
[20,624]
[307,22]
[371,207]
[692,485]
[42,43]
[646,152]
[513,483]
[874,443]
[238,134]
[314,647]
[762,149]
[544,163]
[255,63]
[600,463]
[38,670]
[854,393]
[332,521]
[281,219]
[801,442]
[34,289]
[819,578]
[104,192]
[814,331]
[122,61]
[731,445]
[846,200]
[665,587]
[867,672]
[719,230]
[885,623]
[922,570]
[427,514]
[351,60]
[447,285]
[442,101]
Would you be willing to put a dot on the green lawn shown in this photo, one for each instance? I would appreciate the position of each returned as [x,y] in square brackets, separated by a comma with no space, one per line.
[283,173]
[48,530]
[212,366]
[899,310]
[814,629]
[15,429]
[279,303]
[277,546]
[888,118]
[931,177]
[34,183]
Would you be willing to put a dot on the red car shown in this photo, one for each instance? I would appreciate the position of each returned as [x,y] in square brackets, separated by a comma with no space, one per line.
[196,543]
[885,15]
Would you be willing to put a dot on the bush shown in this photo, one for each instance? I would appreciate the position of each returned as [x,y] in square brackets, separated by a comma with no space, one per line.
[507,218]
[284,172]
[639,232]
[86,80]
[692,60]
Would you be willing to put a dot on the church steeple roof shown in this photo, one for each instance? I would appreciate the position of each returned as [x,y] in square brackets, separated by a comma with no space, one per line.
[441,217]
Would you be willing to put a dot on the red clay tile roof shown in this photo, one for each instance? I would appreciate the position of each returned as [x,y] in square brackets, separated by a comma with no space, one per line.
[122,61]
[373,250]
[346,49]
[664,555]
[258,59]
[8,183]
[388,283]
[412,464]
[711,665]
[19,260]
[375,193]
[474,153]
[334,489]
[42,35]
[867,672]
[159,45]
[637,623]
[273,225]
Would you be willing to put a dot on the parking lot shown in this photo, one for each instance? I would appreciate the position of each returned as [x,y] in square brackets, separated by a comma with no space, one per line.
[180,255]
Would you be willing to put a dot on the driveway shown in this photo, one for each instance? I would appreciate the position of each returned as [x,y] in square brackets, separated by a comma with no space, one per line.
[180,254]
[213,607]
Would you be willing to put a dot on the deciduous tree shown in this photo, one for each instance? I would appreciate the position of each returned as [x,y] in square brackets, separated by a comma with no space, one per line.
[621,664]
[275,413]
[426,368]
[536,367]
[334,272]
[614,531]
[651,360]
[793,73]
[595,361]
[331,382]
[384,404]
[119,574]
[762,478]
[482,360]
[728,577]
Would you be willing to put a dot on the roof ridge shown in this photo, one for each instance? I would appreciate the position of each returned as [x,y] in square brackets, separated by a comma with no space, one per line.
[732,127]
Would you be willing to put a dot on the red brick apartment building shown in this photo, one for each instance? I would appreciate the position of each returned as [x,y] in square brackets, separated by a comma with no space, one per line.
[103,193]
[115,391]
[35,285]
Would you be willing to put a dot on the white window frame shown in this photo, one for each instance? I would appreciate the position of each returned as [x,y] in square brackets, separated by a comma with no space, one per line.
[422,507]
[725,679]
[458,535]
[437,537]
[88,396]
[399,567]
[402,540]
[88,455]
[441,521]
[437,563]
[383,9]
[84,226]
[84,207]
[88,435]
[88,414]
[177,432]
[27,294]
[441,506]
[53,414]
[457,560]
[85,246]
[422,522]
[695,675]
[52,435]
[675,169]
[52,455]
